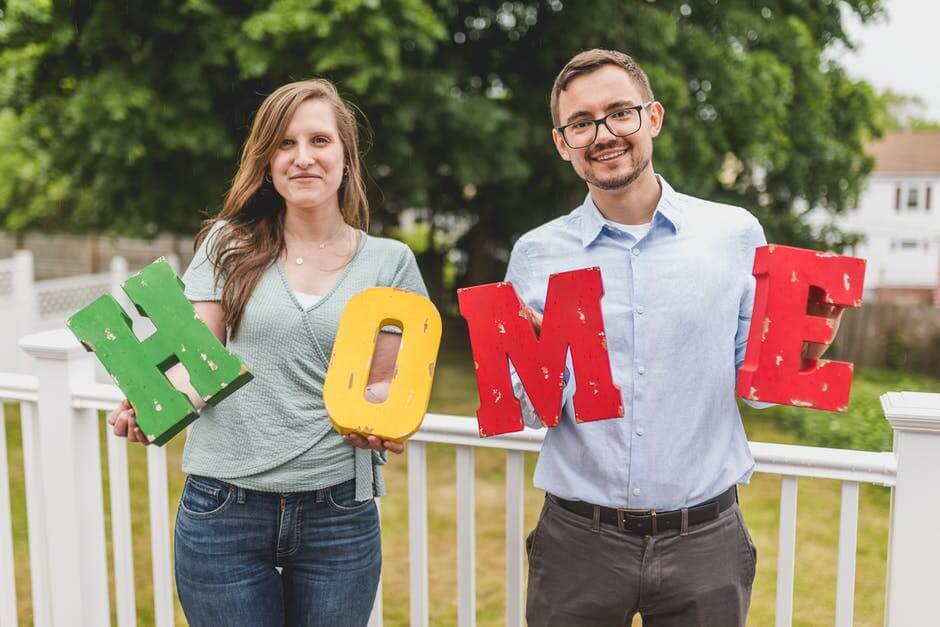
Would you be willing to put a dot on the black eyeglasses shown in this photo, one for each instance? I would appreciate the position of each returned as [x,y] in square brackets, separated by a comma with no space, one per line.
[623,122]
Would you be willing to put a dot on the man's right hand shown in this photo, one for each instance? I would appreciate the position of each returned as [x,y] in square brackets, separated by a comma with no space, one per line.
[124,421]
[534,317]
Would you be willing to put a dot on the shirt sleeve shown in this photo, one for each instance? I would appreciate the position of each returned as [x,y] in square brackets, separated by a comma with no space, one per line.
[406,277]
[752,239]
[199,279]
[520,276]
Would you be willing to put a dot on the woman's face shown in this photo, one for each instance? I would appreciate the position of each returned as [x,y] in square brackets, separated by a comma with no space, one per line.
[307,166]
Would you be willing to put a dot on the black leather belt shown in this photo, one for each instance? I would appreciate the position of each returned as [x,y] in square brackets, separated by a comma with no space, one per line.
[648,521]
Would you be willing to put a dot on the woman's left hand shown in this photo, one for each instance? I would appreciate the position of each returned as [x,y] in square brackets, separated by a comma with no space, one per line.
[374,443]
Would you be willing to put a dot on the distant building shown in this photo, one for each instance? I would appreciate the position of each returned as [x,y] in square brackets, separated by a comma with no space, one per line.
[898,214]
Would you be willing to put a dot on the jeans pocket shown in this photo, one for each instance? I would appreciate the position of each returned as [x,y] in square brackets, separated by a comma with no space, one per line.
[205,497]
[341,498]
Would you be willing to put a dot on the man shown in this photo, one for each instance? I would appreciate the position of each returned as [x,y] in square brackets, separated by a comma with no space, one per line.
[641,512]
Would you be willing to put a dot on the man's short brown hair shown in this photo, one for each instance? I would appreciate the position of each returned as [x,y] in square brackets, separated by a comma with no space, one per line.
[591,60]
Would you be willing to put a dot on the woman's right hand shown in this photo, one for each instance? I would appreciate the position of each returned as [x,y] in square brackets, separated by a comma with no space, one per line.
[124,421]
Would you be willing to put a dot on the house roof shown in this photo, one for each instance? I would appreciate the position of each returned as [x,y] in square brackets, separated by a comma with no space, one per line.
[906,152]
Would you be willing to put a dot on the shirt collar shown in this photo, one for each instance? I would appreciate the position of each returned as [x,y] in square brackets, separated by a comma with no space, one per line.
[667,211]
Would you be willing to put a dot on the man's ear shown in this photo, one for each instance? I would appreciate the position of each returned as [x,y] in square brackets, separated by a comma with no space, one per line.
[560,145]
[656,115]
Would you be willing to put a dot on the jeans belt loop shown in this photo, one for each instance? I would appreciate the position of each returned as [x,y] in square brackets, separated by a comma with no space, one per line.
[653,517]
[240,494]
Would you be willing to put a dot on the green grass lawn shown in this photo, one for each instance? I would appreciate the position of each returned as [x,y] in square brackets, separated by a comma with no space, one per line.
[455,393]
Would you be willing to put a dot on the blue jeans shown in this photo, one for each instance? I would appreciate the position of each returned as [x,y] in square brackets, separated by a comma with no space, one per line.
[229,541]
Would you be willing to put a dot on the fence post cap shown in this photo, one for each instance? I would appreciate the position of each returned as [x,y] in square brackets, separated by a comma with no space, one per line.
[912,411]
[58,344]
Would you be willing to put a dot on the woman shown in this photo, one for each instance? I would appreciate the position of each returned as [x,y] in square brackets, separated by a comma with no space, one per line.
[277,523]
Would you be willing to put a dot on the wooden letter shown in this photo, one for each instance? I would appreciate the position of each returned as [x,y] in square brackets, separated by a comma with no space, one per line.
[401,413]
[499,331]
[774,369]
[137,367]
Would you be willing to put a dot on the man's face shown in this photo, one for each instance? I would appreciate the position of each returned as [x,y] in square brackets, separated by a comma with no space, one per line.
[611,163]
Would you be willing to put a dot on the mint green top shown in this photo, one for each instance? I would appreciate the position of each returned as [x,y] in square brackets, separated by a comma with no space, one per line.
[274,434]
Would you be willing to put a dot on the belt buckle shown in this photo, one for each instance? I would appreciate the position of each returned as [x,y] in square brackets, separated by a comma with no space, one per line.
[623,512]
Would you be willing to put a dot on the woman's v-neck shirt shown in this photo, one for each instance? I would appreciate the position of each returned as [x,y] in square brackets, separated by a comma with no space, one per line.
[274,434]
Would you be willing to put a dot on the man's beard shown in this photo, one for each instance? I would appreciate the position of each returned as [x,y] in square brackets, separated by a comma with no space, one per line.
[621,181]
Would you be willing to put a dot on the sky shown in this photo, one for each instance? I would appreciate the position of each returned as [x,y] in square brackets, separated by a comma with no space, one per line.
[900,52]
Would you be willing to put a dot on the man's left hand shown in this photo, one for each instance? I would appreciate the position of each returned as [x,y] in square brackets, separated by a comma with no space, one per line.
[814,350]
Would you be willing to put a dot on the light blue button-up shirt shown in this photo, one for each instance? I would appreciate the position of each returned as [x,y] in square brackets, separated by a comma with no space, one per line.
[677,306]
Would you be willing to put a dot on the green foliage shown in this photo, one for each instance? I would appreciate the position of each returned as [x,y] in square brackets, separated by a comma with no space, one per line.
[127,116]
[905,113]
[863,426]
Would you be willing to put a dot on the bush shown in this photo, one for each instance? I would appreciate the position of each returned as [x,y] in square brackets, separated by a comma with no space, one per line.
[863,426]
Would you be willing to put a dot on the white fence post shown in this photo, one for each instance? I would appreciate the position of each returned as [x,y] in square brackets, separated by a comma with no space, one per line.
[70,463]
[913,550]
[25,305]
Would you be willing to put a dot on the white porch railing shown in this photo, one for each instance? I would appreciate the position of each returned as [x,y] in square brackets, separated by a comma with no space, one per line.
[65,509]
[29,306]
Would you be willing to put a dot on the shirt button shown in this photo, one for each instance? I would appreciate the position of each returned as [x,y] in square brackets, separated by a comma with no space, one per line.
[641,370]
[639,309]
[636,251]
[636,491]
[640,431]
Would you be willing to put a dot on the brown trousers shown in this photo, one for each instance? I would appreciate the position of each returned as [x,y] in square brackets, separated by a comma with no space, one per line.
[582,575]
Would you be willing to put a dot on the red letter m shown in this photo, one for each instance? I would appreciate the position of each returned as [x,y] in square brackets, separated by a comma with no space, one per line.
[500,332]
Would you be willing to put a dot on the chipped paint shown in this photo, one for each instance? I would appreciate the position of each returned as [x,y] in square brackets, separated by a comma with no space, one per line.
[846,281]
[620,410]
[581,315]
[604,343]
[752,394]
[350,383]
[183,348]
[545,372]
[109,335]
[143,283]
[497,395]
[765,329]
[213,366]
[793,277]
[800,403]
[223,385]
[825,387]
[778,359]
[771,248]
[157,406]
[501,327]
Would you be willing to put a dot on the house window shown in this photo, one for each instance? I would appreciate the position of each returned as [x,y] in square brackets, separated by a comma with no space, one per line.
[912,198]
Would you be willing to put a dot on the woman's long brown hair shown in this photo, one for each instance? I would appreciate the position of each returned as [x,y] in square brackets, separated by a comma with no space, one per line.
[252,236]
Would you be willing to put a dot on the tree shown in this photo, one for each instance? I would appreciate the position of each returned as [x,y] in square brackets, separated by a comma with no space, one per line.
[136,110]
[132,113]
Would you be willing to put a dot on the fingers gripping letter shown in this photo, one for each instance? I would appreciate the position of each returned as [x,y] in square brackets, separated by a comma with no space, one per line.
[500,331]
[138,366]
[789,280]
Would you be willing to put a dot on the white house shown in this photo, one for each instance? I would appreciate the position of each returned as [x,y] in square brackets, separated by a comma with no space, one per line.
[898,214]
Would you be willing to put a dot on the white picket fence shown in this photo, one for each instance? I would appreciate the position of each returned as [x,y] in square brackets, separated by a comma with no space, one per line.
[63,476]
[29,306]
